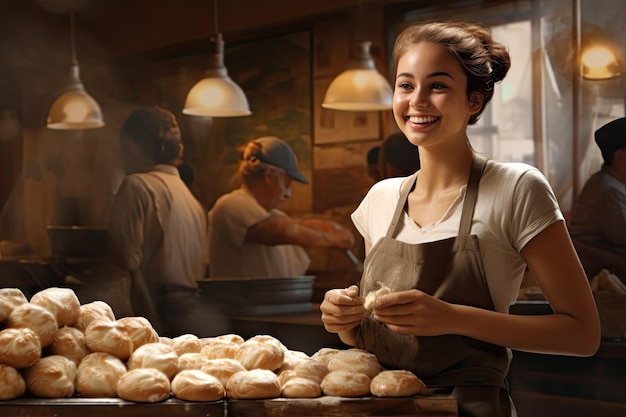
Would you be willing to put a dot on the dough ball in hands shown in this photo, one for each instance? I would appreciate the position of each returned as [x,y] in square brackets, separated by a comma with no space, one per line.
[253,385]
[373,296]
[9,299]
[97,375]
[261,352]
[106,336]
[52,376]
[36,318]
[299,387]
[344,383]
[155,355]
[356,360]
[397,383]
[19,348]
[222,368]
[145,385]
[61,302]
[96,310]
[70,342]
[186,343]
[195,385]
[12,385]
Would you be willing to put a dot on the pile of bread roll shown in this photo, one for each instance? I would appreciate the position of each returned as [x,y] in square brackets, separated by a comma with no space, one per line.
[51,346]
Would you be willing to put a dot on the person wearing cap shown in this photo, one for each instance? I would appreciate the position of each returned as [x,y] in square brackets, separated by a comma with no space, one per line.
[598,223]
[249,236]
[158,231]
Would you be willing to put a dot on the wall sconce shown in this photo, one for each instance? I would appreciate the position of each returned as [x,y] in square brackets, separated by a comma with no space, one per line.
[216,95]
[74,109]
[599,63]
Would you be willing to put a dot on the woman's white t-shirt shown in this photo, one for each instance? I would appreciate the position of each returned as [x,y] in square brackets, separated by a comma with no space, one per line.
[515,203]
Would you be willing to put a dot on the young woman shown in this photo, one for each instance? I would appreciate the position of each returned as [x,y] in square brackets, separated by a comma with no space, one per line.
[452,241]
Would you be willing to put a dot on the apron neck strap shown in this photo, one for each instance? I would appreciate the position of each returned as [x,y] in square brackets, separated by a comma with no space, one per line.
[471,192]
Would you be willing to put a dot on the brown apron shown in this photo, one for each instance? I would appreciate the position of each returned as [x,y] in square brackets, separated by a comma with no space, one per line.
[451,270]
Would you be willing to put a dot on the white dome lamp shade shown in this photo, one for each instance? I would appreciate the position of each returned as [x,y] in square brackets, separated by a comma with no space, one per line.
[360,87]
[216,95]
[74,109]
[600,63]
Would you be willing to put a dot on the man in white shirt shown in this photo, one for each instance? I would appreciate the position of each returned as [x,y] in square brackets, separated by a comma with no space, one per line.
[158,229]
[249,236]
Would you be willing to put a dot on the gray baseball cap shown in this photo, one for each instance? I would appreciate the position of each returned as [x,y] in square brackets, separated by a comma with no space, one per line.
[277,152]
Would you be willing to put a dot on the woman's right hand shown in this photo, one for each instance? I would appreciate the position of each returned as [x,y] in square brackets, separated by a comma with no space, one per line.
[342,311]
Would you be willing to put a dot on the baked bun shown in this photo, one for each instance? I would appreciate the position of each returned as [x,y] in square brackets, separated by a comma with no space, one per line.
[191,361]
[51,377]
[253,384]
[312,369]
[229,337]
[299,387]
[344,383]
[139,330]
[195,385]
[70,342]
[261,352]
[97,375]
[9,299]
[396,383]
[186,343]
[155,355]
[355,360]
[292,358]
[220,349]
[19,348]
[106,336]
[61,302]
[36,318]
[222,368]
[324,354]
[145,385]
[95,310]
[12,384]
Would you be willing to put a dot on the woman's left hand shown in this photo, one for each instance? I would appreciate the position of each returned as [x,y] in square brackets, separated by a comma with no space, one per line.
[415,312]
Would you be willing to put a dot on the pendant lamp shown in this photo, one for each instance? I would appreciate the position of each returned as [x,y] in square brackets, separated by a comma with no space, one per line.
[360,87]
[216,95]
[74,109]
[599,63]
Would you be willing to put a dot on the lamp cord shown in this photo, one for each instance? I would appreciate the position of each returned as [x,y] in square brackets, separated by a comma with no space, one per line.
[215,16]
[72,24]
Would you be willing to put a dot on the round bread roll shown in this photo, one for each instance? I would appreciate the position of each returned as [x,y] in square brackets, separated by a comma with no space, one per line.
[51,377]
[257,354]
[139,330]
[253,384]
[286,375]
[9,299]
[396,383]
[324,355]
[97,375]
[186,343]
[106,336]
[229,337]
[36,318]
[70,342]
[195,385]
[96,310]
[61,302]
[145,385]
[12,385]
[222,368]
[312,369]
[220,349]
[155,355]
[299,387]
[191,361]
[344,383]
[355,360]
[19,348]
[292,358]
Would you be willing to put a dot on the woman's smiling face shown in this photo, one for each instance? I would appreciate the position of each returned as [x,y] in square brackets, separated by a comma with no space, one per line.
[430,96]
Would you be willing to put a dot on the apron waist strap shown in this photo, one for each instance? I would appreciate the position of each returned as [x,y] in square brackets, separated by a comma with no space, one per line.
[471,376]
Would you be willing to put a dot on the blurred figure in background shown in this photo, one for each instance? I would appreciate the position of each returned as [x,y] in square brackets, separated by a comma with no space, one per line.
[399,157]
[598,224]
[158,230]
[249,236]
[373,167]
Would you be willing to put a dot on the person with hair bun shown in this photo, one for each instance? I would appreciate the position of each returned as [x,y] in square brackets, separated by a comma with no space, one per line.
[158,231]
[249,236]
[452,241]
